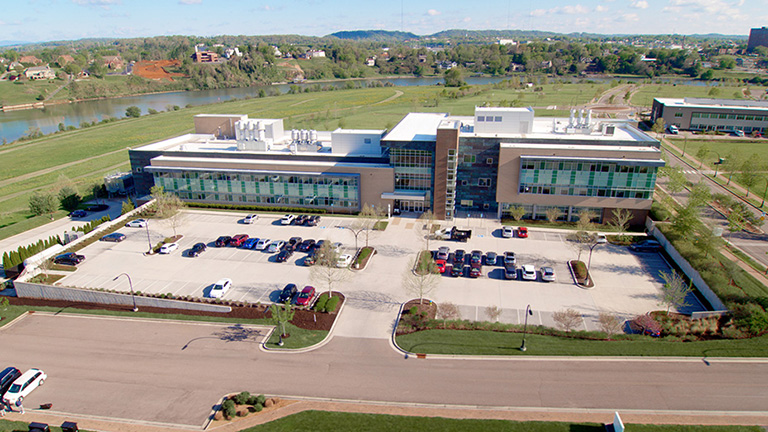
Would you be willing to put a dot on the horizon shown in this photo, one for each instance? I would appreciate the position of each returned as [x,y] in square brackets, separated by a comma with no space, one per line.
[51,20]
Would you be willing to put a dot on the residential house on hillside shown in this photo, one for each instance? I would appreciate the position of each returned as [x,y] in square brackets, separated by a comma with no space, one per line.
[315,53]
[64,59]
[14,65]
[113,62]
[40,72]
[206,57]
[30,60]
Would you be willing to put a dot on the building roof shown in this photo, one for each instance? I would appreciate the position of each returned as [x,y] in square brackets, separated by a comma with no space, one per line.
[713,103]
[179,163]
[416,127]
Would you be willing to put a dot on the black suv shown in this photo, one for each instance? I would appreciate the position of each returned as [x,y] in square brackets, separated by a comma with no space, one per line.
[458,258]
[286,295]
[293,243]
[284,255]
[69,258]
[457,269]
[7,377]
[197,249]
[306,245]
[222,241]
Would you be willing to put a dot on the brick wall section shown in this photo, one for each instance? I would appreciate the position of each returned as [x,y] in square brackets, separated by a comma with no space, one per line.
[41,291]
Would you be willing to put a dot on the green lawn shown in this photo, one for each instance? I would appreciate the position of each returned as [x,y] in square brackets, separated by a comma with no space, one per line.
[349,422]
[13,93]
[644,96]
[476,342]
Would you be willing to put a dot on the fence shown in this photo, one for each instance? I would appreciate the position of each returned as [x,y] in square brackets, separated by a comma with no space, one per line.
[49,292]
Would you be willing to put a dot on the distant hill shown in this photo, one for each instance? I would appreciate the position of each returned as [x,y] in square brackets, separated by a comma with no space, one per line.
[492,34]
[375,35]
[12,43]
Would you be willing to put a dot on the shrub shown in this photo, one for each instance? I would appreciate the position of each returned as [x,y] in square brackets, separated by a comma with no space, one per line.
[258,407]
[580,270]
[333,302]
[645,324]
[229,408]
[261,399]
[242,398]
[321,301]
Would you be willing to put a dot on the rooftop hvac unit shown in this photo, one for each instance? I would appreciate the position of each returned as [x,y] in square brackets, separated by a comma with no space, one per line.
[609,130]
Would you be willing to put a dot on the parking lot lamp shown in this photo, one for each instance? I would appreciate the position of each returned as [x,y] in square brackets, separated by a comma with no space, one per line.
[130,284]
[528,311]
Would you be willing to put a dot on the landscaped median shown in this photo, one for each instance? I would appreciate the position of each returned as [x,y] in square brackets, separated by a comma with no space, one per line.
[419,333]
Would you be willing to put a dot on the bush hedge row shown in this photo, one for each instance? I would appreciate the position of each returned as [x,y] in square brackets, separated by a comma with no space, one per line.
[255,208]
[14,258]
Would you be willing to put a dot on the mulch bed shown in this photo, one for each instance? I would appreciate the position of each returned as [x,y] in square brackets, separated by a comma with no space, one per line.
[427,306]
[306,319]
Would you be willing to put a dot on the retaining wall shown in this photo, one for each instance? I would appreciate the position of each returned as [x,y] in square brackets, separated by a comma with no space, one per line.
[687,269]
[41,291]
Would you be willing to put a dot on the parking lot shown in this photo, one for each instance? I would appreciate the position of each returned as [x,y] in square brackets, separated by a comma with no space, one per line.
[627,283]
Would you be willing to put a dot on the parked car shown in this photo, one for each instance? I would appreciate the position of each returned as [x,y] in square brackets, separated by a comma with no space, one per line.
[7,377]
[529,272]
[78,214]
[300,220]
[312,220]
[305,297]
[311,259]
[284,255]
[738,132]
[601,239]
[646,246]
[440,264]
[306,245]
[222,241]
[197,249]
[220,288]
[442,253]
[168,248]
[507,232]
[137,223]
[275,246]
[475,272]
[510,271]
[673,129]
[251,218]
[458,257]
[286,295]
[548,274]
[457,269]
[288,219]
[337,247]
[510,258]
[238,240]
[23,386]
[522,232]
[250,243]
[293,243]
[113,237]
[69,258]
[491,258]
[262,244]
[344,260]
[476,258]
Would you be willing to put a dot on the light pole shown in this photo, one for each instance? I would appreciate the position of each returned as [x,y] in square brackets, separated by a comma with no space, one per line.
[718,163]
[149,240]
[528,311]
[130,284]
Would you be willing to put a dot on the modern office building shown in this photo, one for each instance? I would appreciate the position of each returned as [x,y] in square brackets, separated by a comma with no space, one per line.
[703,114]
[758,37]
[487,164]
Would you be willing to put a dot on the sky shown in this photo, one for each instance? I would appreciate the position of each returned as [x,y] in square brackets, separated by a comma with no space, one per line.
[50,20]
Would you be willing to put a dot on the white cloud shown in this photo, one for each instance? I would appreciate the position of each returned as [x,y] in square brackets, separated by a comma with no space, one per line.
[600,8]
[433,12]
[630,17]
[719,10]
[98,3]
[640,4]
[466,19]
[190,2]
[561,10]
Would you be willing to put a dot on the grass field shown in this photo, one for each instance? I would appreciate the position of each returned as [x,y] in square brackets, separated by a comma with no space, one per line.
[644,96]
[13,93]
[349,422]
[477,342]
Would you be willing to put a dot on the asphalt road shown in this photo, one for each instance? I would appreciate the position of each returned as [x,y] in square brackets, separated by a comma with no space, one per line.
[173,373]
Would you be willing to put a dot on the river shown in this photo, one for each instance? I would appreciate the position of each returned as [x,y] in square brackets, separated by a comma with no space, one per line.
[15,124]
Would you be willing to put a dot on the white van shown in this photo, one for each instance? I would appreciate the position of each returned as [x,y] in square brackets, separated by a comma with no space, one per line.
[673,129]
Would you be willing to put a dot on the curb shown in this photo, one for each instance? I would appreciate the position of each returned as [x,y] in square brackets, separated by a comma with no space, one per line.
[573,275]
[13,321]
[263,346]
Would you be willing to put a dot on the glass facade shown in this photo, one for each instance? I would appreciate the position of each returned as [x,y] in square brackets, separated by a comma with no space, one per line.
[586,178]
[281,189]
[539,212]
[414,169]
[728,122]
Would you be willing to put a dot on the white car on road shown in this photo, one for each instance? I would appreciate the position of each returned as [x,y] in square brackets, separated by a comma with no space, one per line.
[344,260]
[24,385]
[507,231]
[548,274]
[137,223]
[168,248]
[251,218]
[529,272]
[220,288]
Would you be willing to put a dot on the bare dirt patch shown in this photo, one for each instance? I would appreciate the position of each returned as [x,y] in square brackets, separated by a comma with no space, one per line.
[156,69]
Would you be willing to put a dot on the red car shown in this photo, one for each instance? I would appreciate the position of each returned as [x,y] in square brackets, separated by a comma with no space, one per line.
[440,265]
[522,232]
[306,296]
[475,272]
[238,240]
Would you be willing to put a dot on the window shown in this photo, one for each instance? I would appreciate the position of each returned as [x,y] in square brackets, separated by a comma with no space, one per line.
[484,182]
[139,170]
[486,206]
[469,159]
[723,116]
[678,114]
[489,161]
[464,183]
[467,203]
[497,119]
[480,118]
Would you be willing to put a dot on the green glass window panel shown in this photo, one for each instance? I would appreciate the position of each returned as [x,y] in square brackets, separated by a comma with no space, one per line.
[301,189]
[554,177]
[271,188]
